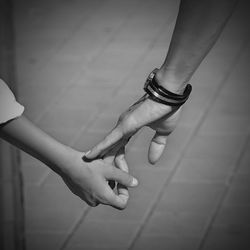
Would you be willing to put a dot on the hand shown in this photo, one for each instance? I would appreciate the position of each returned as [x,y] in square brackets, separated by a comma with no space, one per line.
[145,112]
[90,181]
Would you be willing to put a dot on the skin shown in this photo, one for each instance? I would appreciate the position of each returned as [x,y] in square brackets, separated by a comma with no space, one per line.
[198,26]
[91,181]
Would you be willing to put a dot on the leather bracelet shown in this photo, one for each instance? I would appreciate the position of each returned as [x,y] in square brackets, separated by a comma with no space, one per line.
[162,95]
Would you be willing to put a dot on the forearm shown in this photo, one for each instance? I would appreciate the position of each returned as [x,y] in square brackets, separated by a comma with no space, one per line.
[26,136]
[198,26]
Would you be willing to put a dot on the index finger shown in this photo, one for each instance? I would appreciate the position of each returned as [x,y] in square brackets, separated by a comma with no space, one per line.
[109,141]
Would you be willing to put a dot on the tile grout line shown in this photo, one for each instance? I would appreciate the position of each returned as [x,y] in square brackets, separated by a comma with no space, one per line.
[97,111]
[94,117]
[41,183]
[143,56]
[234,170]
[149,48]
[74,228]
[70,144]
[65,40]
[223,196]
[202,118]
[83,70]
[82,217]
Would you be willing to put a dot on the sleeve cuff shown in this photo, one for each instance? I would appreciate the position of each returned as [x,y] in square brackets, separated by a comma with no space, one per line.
[9,107]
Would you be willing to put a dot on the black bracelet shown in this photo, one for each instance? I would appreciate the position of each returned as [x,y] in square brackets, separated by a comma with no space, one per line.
[162,95]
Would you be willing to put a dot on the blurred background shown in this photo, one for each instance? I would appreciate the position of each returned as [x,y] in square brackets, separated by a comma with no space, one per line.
[78,65]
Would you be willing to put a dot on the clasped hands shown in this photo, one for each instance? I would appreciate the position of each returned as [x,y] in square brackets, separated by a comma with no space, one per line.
[106,161]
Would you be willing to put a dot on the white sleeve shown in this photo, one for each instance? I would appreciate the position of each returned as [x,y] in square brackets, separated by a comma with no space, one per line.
[9,107]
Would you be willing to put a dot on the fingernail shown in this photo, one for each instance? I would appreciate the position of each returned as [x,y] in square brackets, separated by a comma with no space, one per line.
[85,158]
[134,182]
[87,152]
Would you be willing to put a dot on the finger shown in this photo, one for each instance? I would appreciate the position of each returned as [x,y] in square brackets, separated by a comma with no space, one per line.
[121,177]
[116,154]
[156,148]
[121,163]
[112,138]
[123,192]
[109,156]
[120,201]
[117,201]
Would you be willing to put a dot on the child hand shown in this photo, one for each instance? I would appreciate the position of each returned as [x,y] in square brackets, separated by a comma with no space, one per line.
[89,181]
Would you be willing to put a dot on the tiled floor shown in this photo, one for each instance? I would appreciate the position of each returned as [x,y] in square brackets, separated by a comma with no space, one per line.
[79,64]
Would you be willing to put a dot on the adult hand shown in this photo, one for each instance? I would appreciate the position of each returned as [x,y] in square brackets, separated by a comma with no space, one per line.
[91,181]
[145,112]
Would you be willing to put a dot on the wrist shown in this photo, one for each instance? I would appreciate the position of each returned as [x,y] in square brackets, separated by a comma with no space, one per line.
[162,95]
[72,166]
[61,159]
[170,81]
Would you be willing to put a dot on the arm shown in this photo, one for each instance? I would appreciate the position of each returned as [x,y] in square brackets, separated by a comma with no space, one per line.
[23,134]
[87,180]
[198,26]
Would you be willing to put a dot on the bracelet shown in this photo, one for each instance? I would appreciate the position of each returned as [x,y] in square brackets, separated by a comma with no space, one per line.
[162,95]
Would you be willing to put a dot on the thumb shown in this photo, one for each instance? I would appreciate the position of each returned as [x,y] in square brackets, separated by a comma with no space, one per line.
[109,141]
[156,148]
